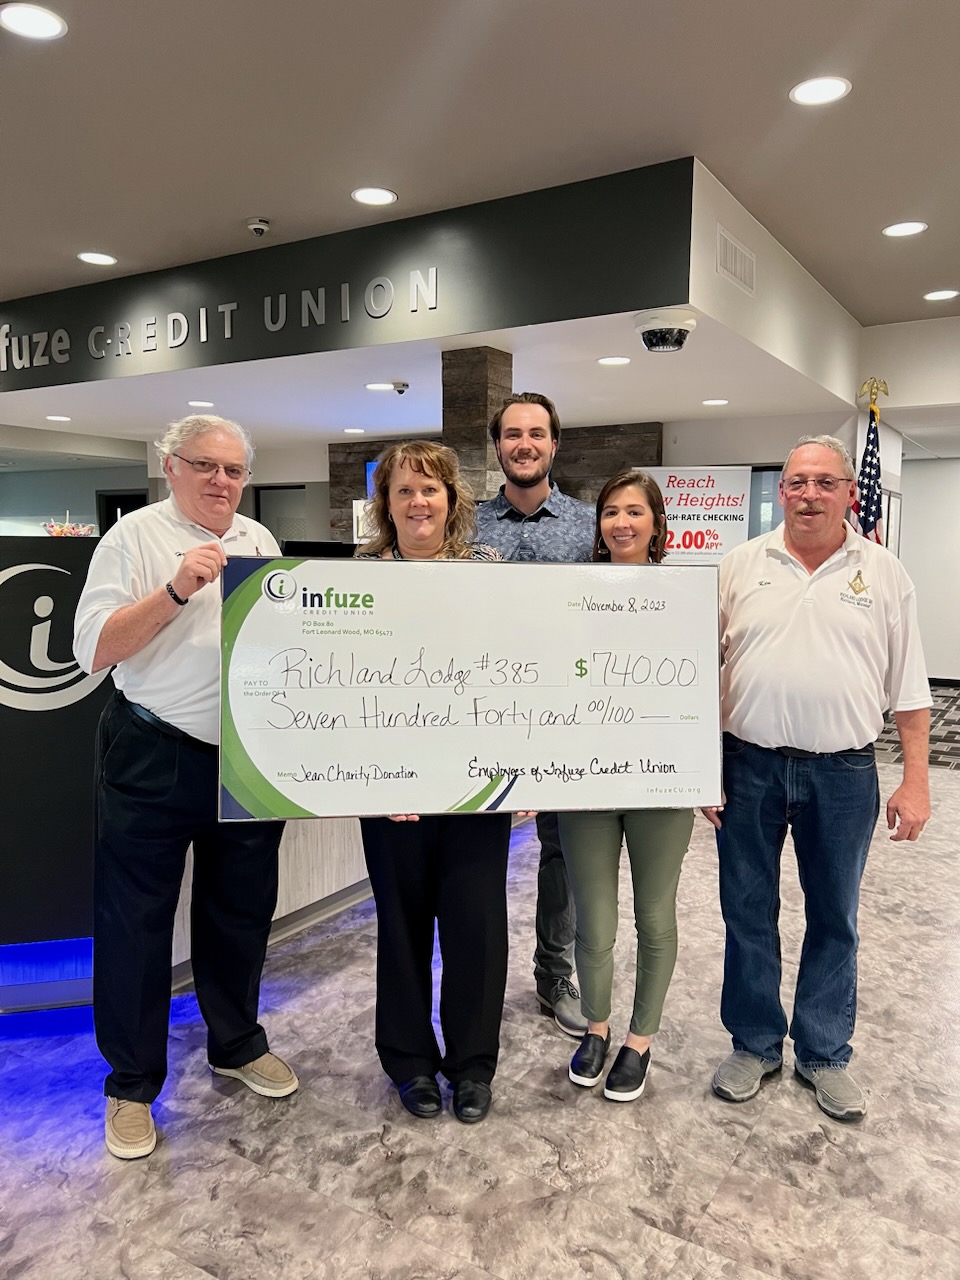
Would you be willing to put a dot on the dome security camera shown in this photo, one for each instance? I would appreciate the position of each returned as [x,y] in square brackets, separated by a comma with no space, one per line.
[401,387]
[259,227]
[665,330]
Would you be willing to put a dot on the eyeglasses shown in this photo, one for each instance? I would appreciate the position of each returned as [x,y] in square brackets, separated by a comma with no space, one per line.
[823,484]
[233,470]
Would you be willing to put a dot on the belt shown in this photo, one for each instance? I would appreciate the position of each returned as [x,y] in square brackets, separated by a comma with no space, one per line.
[797,753]
[168,730]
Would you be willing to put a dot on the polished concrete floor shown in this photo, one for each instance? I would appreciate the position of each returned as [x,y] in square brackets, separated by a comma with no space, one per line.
[338,1181]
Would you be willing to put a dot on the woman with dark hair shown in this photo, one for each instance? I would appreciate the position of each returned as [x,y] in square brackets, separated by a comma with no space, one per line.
[631,529]
[448,869]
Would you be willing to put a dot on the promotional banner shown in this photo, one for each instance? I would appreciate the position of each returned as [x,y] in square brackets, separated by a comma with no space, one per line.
[708,511]
[48,721]
[372,687]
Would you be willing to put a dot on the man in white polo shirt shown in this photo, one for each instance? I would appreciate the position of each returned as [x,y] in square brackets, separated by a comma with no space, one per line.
[150,609]
[819,638]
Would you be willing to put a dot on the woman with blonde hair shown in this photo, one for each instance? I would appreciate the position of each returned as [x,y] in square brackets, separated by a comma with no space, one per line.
[448,870]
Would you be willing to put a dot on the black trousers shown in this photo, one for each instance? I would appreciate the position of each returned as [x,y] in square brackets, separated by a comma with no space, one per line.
[155,795]
[451,869]
[556,913]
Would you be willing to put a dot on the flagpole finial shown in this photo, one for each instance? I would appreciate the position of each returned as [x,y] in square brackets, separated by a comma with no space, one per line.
[872,388]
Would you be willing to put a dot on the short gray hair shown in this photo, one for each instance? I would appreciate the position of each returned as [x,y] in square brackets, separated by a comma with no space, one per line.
[826,442]
[179,433]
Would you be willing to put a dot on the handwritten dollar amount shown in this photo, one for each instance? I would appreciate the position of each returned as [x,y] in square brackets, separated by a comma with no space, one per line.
[623,667]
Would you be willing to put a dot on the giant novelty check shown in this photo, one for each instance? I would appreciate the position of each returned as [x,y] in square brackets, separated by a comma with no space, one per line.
[443,686]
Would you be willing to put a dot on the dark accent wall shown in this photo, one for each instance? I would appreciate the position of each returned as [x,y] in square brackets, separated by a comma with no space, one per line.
[48,726]
[348,481]
[589,456]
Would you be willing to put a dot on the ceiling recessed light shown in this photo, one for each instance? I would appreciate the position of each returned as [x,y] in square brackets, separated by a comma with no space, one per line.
[814,93]
[714,402]
[379,386]
[32,21]
[353,431]
[905,229]
[200,404]
[941,295]
[57,417]
[97,259]
[614,360]
[374,195]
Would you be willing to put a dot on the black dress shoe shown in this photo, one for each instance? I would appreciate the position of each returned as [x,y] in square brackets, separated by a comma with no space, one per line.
[627,1076]
[586,1065]
[421,1097]
[471,1101]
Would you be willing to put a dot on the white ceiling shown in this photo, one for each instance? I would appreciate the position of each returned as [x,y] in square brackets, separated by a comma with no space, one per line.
[155,131]
[34,460]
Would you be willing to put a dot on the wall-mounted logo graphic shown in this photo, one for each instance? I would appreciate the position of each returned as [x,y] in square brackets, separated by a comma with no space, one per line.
[62,683]
[280,587]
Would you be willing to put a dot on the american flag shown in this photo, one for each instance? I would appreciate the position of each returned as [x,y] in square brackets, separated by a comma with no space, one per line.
[867,510]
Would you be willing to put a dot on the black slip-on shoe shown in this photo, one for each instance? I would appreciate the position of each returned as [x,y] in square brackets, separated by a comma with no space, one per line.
[471,1101]
[586,1065]
[421,1097]
[628,1075]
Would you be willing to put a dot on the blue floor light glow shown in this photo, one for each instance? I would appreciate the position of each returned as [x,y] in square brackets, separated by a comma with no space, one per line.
[47,1024]
[44,976]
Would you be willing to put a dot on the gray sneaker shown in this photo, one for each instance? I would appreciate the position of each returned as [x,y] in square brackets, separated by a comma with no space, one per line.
[558,996]
[738,1077]
[838,1094]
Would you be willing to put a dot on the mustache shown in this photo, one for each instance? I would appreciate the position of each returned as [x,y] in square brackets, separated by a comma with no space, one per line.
[810,509]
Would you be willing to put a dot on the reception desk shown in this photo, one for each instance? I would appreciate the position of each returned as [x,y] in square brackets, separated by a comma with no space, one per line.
[321,870]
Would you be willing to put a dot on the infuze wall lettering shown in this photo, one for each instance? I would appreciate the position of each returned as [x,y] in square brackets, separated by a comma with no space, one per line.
[145,334]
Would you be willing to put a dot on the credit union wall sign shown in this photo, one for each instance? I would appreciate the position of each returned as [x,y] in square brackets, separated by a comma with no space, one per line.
[591,248]
[149,333]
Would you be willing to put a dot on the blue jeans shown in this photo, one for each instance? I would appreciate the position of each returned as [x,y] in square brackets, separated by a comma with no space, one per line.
[831,804]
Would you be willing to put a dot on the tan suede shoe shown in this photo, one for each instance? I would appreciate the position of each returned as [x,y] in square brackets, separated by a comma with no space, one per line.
[268,1075]
[129,1130]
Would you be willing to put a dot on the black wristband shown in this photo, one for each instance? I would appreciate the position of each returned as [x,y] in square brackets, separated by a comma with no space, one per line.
[173,595]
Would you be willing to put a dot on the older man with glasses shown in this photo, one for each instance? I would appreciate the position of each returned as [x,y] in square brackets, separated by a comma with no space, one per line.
[819,638]
[150,609]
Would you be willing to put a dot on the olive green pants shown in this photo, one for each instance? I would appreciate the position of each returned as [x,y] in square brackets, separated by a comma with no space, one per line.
[656,839]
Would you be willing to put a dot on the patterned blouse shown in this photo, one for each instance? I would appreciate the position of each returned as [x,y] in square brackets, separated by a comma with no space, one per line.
[477,552]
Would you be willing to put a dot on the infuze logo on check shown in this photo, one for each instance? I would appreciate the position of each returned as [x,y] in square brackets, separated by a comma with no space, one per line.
[282,588]
[279,587]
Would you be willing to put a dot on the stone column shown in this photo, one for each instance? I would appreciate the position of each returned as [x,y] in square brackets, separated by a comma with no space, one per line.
[475,384]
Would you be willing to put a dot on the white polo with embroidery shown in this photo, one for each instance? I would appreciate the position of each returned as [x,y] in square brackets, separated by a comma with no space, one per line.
[814,660]
[177,674]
